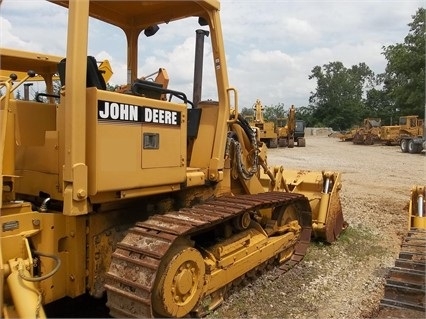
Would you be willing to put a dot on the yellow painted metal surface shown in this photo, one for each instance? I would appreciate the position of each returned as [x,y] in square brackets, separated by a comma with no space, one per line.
[266,130]
[25,294]
[20,62]
[417,207]
[409,125]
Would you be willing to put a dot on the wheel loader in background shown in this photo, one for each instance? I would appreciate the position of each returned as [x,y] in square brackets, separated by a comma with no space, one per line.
[409,125]
[291,131]
[405,282]
[161,204]
[264,130]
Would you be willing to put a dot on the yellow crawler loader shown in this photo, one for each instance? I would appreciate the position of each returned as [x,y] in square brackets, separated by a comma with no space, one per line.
[154,200]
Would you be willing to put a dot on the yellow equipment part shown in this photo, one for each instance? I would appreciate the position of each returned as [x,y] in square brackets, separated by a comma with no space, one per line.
[405,282]
[322,190]
[417,208]
[47,66]
[192,276]
[105,69]
[25,293]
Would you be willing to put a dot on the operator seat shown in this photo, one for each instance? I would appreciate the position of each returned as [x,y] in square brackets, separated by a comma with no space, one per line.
[94,76]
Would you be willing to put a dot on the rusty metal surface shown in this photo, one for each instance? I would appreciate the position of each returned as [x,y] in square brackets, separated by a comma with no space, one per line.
[334,223]
[405,283]
[135,262]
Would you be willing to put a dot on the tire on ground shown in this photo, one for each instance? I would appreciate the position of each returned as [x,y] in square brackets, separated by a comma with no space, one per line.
[404,145]
[273,143]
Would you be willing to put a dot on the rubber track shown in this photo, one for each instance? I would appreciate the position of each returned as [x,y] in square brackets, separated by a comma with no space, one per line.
[405,285]
[137,257]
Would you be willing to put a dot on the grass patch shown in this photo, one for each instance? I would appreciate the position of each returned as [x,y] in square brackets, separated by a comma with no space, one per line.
[357,243]
[352,234]
[361,243]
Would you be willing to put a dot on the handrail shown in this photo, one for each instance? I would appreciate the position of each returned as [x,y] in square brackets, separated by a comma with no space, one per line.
[228,91]
[13,77]
[161,90]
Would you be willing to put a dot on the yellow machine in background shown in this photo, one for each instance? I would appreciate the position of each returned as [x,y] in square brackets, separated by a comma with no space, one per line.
[265,130]
[409,125]
[368,133]
[291,131]
[413,144]
[156,200]
[347,136]
[405,283]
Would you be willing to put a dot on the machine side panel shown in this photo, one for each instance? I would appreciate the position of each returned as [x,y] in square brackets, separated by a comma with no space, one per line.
[134,142]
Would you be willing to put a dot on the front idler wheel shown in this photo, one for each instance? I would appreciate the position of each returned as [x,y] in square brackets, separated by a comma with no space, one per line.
[179,282]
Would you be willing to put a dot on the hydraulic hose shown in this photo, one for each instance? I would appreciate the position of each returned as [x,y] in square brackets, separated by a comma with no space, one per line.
[48,275]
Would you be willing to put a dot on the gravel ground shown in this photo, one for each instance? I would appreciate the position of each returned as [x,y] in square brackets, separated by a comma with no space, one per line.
[345,279]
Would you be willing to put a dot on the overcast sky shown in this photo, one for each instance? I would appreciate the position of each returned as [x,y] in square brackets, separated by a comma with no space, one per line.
[271,46]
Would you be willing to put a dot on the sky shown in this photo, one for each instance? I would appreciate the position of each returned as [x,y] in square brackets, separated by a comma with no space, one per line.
[271,45]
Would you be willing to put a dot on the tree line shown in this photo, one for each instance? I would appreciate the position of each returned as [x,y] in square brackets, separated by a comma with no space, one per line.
[345,96]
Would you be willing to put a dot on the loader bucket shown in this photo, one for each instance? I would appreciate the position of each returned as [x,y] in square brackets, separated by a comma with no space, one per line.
[322,190]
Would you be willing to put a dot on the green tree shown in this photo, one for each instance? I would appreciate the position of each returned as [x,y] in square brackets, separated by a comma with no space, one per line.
[338,99]
[306,114]
[110,87]
[404,77]
[379,105]
[247,112]
[274,112]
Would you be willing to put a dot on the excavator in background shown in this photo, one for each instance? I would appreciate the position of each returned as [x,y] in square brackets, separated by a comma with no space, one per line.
[405,282]
[291,131]
[409,126]
[264,130]
[159,205]
[368,133]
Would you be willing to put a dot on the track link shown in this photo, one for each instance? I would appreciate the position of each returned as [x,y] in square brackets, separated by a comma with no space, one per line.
[405,284]
[135,262]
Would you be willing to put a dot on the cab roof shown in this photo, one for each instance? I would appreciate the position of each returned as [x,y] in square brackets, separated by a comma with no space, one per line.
[139,14]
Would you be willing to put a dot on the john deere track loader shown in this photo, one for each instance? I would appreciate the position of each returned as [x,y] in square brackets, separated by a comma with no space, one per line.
[159,200]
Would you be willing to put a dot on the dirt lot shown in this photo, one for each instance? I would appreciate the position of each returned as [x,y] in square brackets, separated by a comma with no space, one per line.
[343,280]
